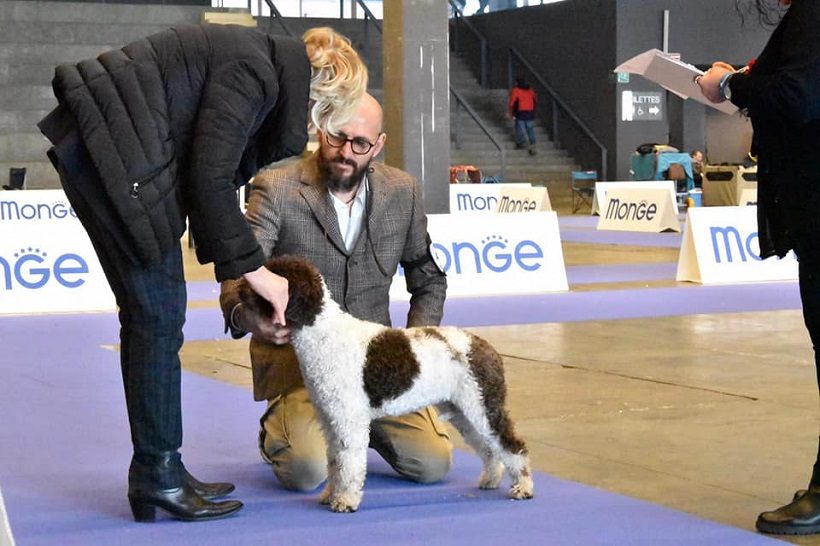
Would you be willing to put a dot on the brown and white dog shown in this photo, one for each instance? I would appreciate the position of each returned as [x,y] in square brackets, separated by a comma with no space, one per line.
[357,371]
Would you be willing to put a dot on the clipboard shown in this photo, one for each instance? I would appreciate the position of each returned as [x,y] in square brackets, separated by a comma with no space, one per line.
[672,74]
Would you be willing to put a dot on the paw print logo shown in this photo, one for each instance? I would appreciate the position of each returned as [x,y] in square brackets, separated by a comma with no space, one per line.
[500,238]
[31,252]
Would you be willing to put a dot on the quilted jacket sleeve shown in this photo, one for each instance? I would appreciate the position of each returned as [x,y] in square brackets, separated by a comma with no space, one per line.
[235,97]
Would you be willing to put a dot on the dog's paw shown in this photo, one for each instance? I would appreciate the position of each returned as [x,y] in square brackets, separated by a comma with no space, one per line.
[324,496]
[522,490]
[342,507]
[491,477]
[345,502]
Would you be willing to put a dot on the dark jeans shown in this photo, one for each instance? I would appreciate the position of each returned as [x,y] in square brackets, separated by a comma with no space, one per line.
[152,304]
[808,253]
[522,126]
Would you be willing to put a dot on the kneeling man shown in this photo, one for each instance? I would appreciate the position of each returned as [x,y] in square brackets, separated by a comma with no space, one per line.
[356,220]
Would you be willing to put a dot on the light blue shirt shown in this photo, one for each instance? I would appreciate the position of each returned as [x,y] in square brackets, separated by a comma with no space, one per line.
[350,215]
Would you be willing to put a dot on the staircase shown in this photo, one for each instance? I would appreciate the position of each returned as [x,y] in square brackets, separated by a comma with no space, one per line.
[550,166]
[37,36]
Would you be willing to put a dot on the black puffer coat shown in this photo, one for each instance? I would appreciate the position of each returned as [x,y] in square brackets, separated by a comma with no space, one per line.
[782,96]
[175,122]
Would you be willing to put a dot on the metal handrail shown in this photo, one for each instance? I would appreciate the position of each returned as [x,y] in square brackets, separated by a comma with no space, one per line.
[274,14]
[458,15]
[368,15]
[461,103]
[556,101]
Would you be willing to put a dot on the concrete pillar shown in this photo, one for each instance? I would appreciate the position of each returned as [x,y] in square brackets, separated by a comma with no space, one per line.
[416,95]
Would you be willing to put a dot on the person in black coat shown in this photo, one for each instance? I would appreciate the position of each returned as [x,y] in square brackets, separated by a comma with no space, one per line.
[163,130]
[780,92]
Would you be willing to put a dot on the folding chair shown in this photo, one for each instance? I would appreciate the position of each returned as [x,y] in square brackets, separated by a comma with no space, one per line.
[677,173]
[17,179]
[583,189]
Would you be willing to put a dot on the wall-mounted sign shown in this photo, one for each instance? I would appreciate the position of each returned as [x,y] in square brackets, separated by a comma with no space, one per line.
[641,105]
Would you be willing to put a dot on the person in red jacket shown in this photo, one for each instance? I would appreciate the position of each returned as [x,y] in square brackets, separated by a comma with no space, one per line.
[163,130]
[522,110]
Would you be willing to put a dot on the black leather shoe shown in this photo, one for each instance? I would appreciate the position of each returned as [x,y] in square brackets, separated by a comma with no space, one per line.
[180,502]
[800,517]
[161,481]
[208,491]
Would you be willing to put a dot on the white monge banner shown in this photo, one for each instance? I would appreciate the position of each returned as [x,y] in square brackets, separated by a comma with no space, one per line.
[639,209]
[477,197]
[720,245]
[485,254]
[601,188]
[47,263]
[523,198]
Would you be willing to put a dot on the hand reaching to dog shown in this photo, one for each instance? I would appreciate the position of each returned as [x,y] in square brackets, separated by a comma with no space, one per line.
[273,288]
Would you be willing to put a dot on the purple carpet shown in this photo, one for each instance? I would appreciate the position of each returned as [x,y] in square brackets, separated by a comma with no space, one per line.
[583,229]
[689,299]
[64,446]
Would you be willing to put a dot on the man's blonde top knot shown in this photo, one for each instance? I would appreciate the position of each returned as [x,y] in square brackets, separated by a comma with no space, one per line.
[338,78]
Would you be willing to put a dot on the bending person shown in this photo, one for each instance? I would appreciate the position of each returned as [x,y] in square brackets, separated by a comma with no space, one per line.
[356,220]
[167,128]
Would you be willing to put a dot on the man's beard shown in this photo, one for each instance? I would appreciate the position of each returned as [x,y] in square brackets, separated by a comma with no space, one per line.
[336,182]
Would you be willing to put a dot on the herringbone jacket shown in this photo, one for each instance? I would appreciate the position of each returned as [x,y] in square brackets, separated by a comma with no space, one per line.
[290,213]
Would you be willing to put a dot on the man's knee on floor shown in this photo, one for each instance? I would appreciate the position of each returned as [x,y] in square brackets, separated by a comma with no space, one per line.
[425,463]
[301,474]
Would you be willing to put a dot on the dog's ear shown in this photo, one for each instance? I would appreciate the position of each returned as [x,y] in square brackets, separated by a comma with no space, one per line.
[305,289]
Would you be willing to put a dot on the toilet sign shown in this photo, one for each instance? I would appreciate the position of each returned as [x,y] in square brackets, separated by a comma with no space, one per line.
[641,105]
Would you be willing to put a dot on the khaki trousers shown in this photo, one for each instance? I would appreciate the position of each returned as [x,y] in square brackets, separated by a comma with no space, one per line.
[416,445]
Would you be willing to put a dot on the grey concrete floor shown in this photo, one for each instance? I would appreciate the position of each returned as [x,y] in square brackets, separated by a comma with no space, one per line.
[714,415]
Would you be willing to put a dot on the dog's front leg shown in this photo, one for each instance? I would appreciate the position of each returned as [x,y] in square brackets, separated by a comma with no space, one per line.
[347,465]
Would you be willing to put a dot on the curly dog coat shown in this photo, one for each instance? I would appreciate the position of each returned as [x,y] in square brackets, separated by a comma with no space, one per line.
[357,371]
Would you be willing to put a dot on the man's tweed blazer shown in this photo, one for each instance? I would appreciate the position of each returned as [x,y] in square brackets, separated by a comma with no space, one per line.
[291,214]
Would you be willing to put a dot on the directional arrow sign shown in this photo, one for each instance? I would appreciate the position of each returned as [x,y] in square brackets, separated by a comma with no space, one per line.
[641,105]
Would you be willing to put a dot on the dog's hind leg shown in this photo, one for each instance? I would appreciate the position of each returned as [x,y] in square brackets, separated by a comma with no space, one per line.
[513,455]
[518,467]
[492,419]
[493,470]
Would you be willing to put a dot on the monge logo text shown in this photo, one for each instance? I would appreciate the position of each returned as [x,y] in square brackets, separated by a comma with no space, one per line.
[32,268]
[14,211]
[494,253]
[467,202]
[728,238]
[625,210]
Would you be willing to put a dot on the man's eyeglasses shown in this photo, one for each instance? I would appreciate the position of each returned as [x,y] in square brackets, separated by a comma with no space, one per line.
[359,145]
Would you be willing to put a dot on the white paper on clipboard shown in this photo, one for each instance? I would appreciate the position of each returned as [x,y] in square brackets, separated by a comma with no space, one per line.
[673,75]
